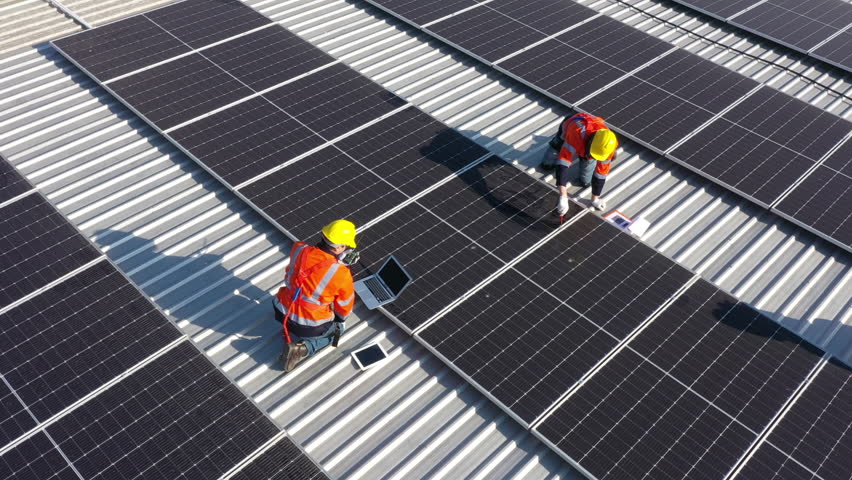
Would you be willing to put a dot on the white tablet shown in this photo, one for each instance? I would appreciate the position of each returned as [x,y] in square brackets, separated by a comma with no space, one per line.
[369,356]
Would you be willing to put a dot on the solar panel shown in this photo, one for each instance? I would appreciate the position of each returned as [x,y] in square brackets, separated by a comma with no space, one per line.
[178,91]
[487,33]
[121,47]
[334,101]
[267,57]
[821,202]
[14,418]
[283,461]
[38,247]
[547,16]
[202,22]
[425,12]
[66,342]
[688,396]
[814,438]
[837,50]
[720,8]
[36,457]
[246,140]
[12,183]
[302,196]
[176,417]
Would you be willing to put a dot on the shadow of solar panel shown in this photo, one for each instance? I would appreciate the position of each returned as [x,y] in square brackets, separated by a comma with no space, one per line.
[547,16]
[267,57]
[121,47]
[631,421]
[66,342]
[560,70]
[443,262]
[303,196]
[498,206]
[283,461]
[817,430]
[592,256]
[411,150]
[36,458]
[178,91]
[334,100]
[424,12]
[177,417]
[822,202]
[14,419]
[519,343]
[606,40]
[202,22]
[721,347]
[650,114]
[12,183]
[246,140]
[487,33]
[38,247]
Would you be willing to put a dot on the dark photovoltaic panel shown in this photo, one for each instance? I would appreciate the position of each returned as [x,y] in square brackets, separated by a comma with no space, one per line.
[411,150]
[631,421]
[720,8]
[121,47]
[519,343]
[38,247]
[35,457]
[246,140]
[769,462]
[14,419]
[267,57]
[334,100]
[177,417]
[817,431]
[443,262]
[593,256]
[175,92]
[561,70]
[838,50]
[283,461]
[729,353]
[802,25]
[547,16]
[64,343]
[822,202]
[498,206]
[487,33]
[424,12]
[302,196]
[12,183]
[202,22]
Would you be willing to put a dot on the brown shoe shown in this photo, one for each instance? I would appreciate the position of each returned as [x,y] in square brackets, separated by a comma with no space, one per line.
[295,354]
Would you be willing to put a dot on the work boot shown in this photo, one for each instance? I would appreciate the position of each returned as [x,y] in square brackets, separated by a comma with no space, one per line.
[296,352]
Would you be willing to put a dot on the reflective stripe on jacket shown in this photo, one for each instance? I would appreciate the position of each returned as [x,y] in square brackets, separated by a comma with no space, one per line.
[575,132]
[326,290]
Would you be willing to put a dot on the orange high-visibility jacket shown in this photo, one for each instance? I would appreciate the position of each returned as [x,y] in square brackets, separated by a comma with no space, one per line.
[575,132]
[327,289]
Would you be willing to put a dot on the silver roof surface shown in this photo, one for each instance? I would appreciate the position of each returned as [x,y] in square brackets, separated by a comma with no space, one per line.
[211,262]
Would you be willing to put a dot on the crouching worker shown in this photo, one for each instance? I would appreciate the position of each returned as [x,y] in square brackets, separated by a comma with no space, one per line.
[319,294]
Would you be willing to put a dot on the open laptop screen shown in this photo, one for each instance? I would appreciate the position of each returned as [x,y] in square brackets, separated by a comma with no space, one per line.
[394,276]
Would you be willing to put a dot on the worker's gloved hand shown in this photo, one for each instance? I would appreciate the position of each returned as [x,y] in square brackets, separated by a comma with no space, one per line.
[598,204]
[562,207]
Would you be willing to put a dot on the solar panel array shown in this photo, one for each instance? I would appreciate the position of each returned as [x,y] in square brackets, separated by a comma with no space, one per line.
[94,381]
[540,317]
[819,28]
[749,138]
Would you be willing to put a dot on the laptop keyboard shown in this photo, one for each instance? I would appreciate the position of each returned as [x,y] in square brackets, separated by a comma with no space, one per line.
[377,289]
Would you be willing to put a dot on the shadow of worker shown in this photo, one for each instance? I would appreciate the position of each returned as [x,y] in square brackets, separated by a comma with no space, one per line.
[201,292]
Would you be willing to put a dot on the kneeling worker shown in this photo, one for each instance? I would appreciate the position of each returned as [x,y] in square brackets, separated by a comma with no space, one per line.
[587,138]
[319,294]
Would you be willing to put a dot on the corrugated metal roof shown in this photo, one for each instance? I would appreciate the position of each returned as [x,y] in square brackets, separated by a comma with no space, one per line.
[212,262]
[27,22]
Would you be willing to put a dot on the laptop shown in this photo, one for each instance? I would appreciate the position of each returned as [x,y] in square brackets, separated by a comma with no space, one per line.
[384,286]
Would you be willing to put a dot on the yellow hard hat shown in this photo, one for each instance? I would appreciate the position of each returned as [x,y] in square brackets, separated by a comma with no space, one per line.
[603,144]
[340,232]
